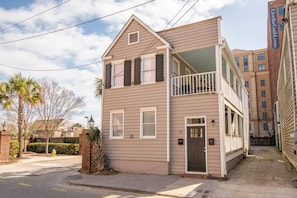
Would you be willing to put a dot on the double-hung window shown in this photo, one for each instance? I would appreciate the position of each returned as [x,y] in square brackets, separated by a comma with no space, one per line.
[148,122]
[245,63]
[118,74]
[246,83]
[261,57]
[117,124]
[148,69]
[261,66]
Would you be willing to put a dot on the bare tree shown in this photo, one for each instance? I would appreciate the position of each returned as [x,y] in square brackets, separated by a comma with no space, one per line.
[59,105]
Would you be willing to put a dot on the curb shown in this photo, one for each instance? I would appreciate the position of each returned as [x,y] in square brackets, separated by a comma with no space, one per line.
[112,188]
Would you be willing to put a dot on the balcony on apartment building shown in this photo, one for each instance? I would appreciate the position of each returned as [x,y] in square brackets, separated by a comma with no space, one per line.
[192,84]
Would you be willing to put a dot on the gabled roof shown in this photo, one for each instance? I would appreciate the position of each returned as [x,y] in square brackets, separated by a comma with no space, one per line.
[133,17]
[51,124]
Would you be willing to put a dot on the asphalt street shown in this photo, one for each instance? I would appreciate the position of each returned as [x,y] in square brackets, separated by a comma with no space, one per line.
[45,179]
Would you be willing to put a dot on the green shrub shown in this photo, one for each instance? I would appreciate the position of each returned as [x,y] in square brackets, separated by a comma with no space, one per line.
[61,148]
[14,149]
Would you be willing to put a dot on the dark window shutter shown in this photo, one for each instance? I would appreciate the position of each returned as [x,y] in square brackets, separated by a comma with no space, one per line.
[108,76]
[159,67]
[127,73]
[137,69]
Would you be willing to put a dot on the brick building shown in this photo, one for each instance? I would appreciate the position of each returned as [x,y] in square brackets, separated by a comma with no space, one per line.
[255,69]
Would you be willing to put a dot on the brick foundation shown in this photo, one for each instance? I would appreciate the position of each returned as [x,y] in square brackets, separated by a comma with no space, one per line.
[4,146]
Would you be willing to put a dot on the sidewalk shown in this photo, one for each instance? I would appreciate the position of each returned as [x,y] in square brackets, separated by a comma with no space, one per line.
[263,174]
[175,186]
[37,157]
[249,179]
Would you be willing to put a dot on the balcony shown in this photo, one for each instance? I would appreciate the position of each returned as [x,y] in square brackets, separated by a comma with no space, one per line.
[193,84]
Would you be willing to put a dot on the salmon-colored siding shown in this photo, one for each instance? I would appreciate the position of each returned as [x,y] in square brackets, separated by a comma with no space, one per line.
[193,36]
[163,154]
[132,153]
[193,106]
[147,43]
[131,99]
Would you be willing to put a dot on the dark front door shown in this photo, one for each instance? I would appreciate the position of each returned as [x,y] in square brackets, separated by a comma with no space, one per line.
[196,148]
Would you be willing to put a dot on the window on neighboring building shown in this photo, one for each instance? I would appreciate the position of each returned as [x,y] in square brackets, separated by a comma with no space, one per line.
[246,83]
[264,115]
[148,122]
[265,126]
[263,93]
[245,63]
[264,105]
[237,60]
[261,66]
[281,26]
[262,82]
[117,124]
[148,69]
[261,56]
[133,38]
[281,10]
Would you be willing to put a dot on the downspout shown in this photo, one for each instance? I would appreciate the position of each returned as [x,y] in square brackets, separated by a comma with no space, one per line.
[221,106]
[168,109]
[219,76]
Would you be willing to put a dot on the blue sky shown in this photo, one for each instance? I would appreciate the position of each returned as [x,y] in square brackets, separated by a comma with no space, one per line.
[243,25]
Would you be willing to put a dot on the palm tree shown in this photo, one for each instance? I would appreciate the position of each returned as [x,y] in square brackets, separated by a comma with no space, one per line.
[98,86]
[19,89]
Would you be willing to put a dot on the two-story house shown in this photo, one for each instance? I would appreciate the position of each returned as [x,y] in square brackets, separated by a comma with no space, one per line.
[173,101]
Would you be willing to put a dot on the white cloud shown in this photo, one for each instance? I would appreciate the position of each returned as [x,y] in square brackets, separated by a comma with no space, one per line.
[75,46]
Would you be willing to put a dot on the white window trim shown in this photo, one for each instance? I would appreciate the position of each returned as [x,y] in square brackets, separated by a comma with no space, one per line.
[129,43]
[152,55]
[110,124]
[187,71]
[178,66]
[141,119]
[112,72]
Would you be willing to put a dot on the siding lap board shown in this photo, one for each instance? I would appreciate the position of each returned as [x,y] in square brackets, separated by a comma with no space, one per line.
[187,106]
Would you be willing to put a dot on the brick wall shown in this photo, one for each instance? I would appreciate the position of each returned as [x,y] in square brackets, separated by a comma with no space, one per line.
[90,154]
[84,150]
[4,146]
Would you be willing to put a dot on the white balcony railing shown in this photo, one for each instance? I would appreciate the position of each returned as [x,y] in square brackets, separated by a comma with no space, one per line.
[200,83]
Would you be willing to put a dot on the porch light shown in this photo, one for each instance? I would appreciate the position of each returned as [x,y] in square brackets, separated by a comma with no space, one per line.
[91,122]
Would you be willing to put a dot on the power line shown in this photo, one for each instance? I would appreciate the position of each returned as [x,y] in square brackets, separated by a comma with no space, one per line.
[153,41]
[177,13]
[22,21]
[42,70]
[79,24]
[185,13]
